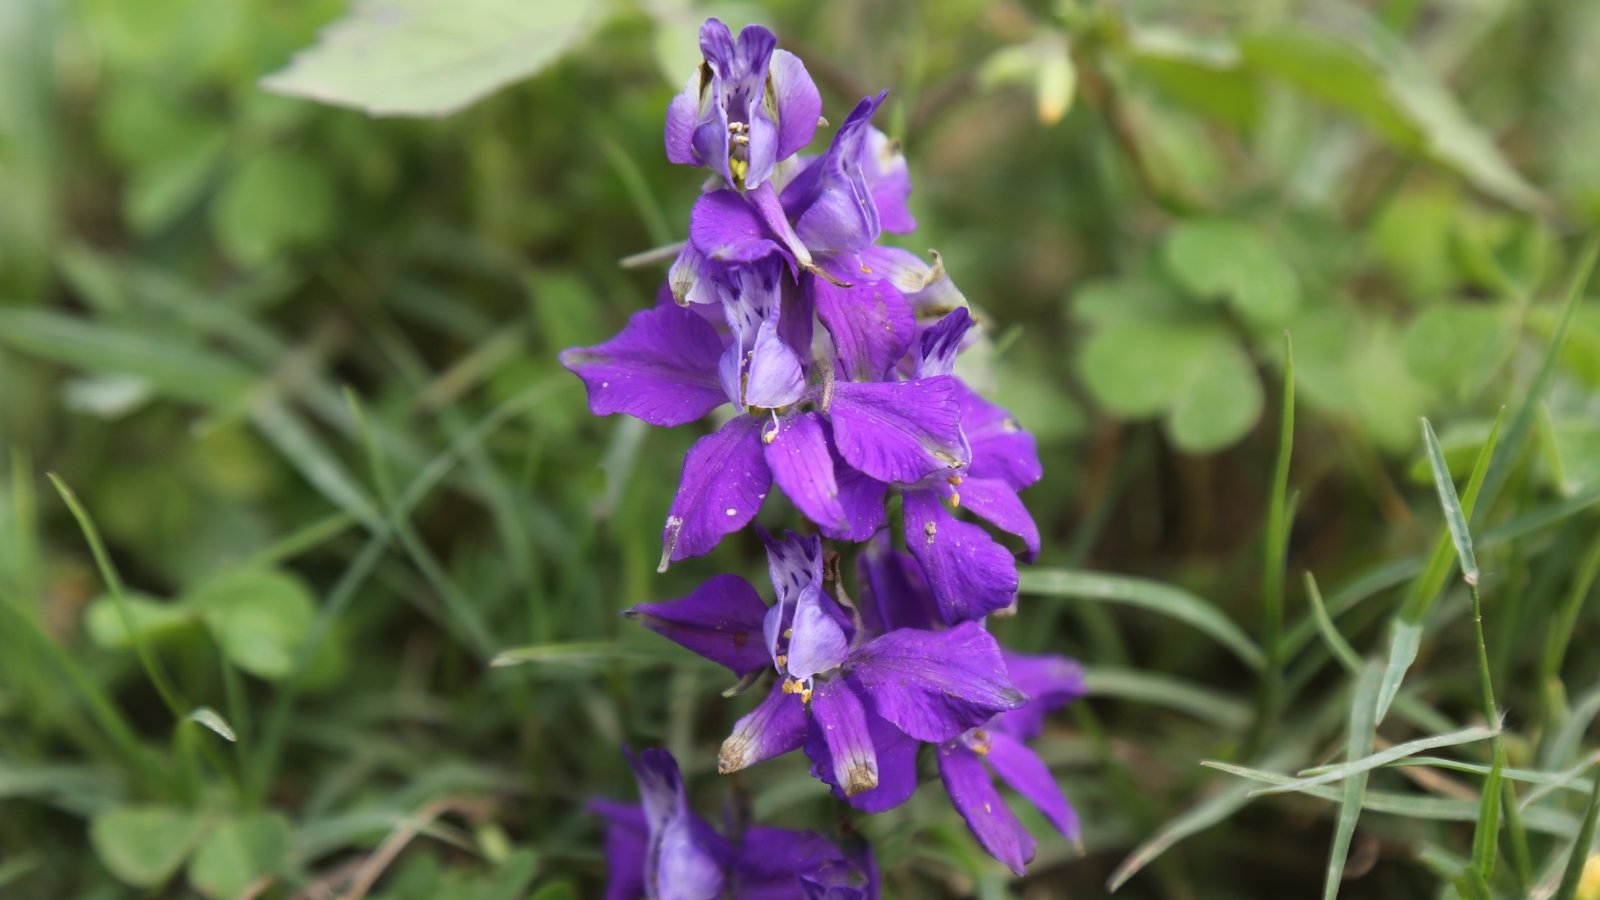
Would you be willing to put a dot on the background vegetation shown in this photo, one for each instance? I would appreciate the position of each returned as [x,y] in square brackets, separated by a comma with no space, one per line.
[298,365]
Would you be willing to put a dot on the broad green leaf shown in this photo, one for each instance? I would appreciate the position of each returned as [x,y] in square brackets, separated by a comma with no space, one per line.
[152,620]
[1110,301]
[144,845]
[1198,71]
[1152,595]
[1219,403]
[239,852]
[1458,348]
[1220,259]
[422,58]
[258,617]
[1140,367]
[1366,72]
[274,202]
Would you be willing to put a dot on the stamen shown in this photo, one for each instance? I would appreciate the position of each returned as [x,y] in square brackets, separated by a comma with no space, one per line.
[953,480]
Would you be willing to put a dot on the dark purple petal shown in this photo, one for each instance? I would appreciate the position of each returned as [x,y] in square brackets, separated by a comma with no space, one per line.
[1050,682]
[940,343]
[779,864]
[725,228]
[1000,448]
[870,322]
[1027,774]
[973,795]
[896,755]
[798,103]
[721,621]
[626,845]
[970,573]
[662,368]
[899,431]
[838,717]
[798,454]
[725,478]
[830,202]
[997,503]
[862,499]
[776,726]
[895,594]
[683,114]
[935,685]
[889,181]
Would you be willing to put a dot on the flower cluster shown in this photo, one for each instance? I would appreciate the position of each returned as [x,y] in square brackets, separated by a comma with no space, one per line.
[834,360]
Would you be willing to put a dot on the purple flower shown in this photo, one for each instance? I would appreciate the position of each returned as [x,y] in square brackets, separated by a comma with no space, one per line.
[661,849]
[858,700]
[748,106]
[1000,747]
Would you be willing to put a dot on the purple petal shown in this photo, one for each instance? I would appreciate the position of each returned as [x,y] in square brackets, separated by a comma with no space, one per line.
[862,499]
[725,478]
[970,573]
[684,858]
[691,278]
[899,431]
[798,103]
[870,322]
[725,228]
[1000,448]
[973,795]
[830,201]
[998,504]
[838,716]
[626,846]
[801,463]
[662,368]
[896,759]
[683,114]
[1050,682]
[935,685]
[896,595]
[770,861]
[927,287]
[777,378]
[941,342]
[817,643]
[762,150]
[721,621]
[776,726]
[889,180]
[1027,774]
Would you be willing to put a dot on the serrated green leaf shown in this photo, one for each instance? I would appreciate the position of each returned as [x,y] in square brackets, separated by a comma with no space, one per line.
[144,845]
[420,58]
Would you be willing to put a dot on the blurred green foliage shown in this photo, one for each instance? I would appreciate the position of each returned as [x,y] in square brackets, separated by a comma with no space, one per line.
[299,366]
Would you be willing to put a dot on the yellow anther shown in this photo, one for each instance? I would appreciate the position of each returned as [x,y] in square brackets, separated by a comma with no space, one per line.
[782,660]
[788,633]
[955,499]
[954,480]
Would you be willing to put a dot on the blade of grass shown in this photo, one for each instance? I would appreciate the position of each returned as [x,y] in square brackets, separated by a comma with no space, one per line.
[1337,645]
[1486,834]
[1573,874]
[1454,518]
[1145,594]
[1330,774]
[1407,629]
[108,572]
[1274,553]
[1172,693]
[1363,724]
